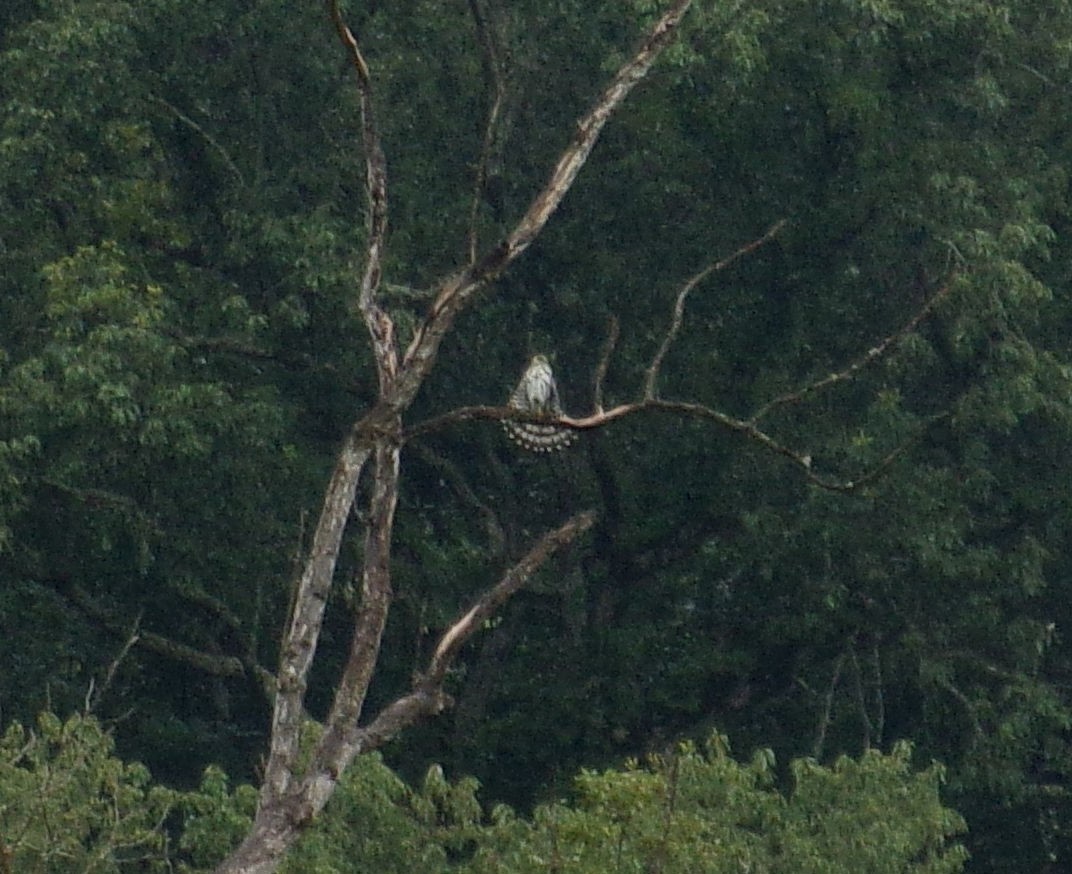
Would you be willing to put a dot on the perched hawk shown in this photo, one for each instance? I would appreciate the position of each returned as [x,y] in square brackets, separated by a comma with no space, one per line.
[537,393]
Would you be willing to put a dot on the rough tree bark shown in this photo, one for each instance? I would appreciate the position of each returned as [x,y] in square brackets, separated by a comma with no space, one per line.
[294,791]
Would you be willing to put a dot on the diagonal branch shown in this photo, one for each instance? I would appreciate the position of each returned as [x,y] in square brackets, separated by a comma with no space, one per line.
[208,138]
[332,753]
[213,664]
[456,636]
[427,696]
[679,305]
[872,354]
[303,630]
[458,290]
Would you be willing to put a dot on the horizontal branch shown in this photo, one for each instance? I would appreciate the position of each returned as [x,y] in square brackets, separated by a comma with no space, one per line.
[744,427]
[209,663]
[468,414]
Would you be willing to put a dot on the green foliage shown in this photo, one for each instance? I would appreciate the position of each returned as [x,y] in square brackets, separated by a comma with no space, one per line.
[68,805]
[215,818]
[694,811]
[373,823]
[181,196]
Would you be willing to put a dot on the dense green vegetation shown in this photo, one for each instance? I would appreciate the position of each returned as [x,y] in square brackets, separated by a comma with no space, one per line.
[181,212]
[67,804]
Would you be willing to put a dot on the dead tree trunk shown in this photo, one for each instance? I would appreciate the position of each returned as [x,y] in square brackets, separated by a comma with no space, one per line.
[295,790]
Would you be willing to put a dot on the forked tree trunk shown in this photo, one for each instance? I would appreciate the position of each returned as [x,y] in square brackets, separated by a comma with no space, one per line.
[296,787]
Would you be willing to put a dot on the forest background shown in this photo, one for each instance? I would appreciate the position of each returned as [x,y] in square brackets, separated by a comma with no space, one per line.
[182,218]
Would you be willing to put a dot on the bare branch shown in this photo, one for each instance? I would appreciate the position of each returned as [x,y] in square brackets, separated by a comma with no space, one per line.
[455,636]
[613,328]
[342,741]
[333,753]
[467,414]
[303,631]
[679,304]
[95,693]
[209,663]
[872,354]
[427,698]
[378,322]
[496,83]
[456,291]
[288,801]
[603,417]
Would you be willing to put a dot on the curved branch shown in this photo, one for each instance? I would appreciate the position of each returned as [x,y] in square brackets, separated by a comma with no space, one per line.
[745,427]
[679,304]
[208,138]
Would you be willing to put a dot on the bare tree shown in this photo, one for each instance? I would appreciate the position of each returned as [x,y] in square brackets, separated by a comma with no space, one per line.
[298,782]
[296,787]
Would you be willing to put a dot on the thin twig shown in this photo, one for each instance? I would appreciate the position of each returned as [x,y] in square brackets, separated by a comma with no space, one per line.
[828,705]
[458,290]
[679,304]
[378,322]
[92,700]
[604,362]
[867,358]
[604,417]
[208,138]
[493,74]
[209,663]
